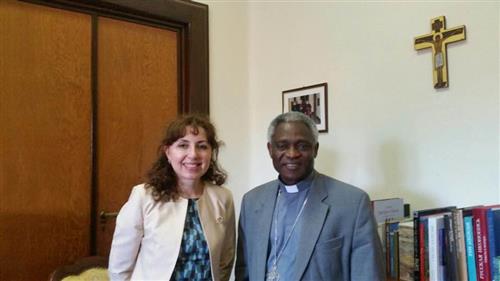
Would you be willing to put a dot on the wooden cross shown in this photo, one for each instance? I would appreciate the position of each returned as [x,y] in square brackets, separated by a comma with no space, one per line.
[437,40]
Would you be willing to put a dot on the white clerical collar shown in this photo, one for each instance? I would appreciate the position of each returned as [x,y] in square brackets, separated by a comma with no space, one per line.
[291,188]
[300,186]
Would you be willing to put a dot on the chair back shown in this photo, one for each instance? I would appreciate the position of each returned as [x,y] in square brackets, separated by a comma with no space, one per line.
[79,267]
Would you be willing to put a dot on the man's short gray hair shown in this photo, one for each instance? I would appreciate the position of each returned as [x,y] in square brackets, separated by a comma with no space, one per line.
[292,116]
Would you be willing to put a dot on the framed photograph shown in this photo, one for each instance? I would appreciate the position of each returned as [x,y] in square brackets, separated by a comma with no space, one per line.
[310,100]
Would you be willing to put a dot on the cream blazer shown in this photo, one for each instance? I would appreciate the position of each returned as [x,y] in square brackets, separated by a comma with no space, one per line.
[148,234]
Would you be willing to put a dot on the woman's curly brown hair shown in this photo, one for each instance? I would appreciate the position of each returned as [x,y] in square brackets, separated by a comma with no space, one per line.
[162,179]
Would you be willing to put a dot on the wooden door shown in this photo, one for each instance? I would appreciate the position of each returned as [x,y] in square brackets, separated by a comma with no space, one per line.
[45,119]
[85,91]
[137,95]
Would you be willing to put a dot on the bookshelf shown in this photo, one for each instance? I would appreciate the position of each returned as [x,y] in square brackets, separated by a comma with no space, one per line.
[446,243]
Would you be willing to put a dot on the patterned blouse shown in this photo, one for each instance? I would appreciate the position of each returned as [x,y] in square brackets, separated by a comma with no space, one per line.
[193,263]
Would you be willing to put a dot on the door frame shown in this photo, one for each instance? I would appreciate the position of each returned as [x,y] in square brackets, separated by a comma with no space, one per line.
[189,19]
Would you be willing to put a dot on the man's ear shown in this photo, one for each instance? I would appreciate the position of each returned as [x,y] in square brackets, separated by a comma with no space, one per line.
[316,148]
[269,148]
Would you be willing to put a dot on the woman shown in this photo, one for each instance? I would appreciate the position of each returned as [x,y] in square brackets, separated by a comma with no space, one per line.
[180,224]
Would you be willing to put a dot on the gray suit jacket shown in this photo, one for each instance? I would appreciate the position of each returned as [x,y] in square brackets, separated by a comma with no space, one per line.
[337,233]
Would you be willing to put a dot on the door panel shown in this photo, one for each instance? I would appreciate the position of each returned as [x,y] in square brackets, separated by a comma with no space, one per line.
[51,162]
[45,154]
[137,95]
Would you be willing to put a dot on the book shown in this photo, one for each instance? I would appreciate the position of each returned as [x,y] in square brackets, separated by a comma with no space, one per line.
[458,229]
[406,250]
[491,240]
[493,217]
[442,241]
[469,247]
[417,239]
[422,249]
[450,249]
[395,255]
[481,243]
[435,242]
[387,250]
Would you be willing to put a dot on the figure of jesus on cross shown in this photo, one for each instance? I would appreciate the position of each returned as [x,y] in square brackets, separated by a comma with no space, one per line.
[437,40]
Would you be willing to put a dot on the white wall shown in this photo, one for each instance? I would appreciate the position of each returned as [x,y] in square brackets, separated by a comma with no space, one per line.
[229,90]
[390,132]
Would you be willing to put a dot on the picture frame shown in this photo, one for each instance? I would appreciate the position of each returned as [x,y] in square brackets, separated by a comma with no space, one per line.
[310,100]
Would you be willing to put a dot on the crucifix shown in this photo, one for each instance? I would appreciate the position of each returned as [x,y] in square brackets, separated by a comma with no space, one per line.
[437,40]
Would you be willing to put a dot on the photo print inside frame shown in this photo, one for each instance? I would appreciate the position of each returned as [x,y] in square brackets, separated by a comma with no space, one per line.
[310,100]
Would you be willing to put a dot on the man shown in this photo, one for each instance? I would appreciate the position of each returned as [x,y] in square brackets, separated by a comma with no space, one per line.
[305,225]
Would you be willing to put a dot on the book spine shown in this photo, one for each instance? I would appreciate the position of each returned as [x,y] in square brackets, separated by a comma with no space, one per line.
[422,251]
[486,245]
[416,237]
[451,258]
[426,251]
[392,273]
[416,247]
[481,244]
[496,251]
[433,249]
[458,223]
[491,243]
[396,255]
[392,265]
[442,253]
[406,254]
[387,250]
[469,248]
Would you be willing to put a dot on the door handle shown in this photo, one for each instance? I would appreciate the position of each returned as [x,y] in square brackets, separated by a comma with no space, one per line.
[104,216]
